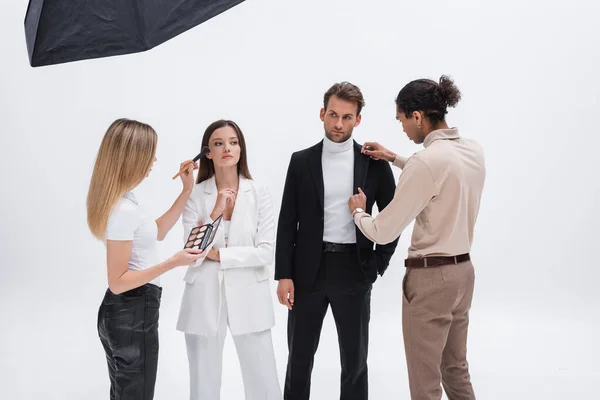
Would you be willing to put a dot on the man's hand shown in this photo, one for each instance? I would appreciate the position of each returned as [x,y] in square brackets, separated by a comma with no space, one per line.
[358,201]
[377,152]
[285,292]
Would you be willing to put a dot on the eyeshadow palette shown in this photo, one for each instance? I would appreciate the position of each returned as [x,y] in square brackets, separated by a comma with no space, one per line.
[202,236]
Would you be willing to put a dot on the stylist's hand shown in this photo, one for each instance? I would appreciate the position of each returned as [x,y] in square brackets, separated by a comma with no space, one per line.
[358,201]
[224,198]
[185,257]
[187,177]
[377,152]
[285,292]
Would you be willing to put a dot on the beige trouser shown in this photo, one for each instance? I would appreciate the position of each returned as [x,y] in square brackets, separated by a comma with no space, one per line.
[435,320]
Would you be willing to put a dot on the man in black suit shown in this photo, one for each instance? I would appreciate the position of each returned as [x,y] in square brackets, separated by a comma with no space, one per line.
[321,258]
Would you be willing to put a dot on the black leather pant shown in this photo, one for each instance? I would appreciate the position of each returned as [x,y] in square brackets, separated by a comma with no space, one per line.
[128,330]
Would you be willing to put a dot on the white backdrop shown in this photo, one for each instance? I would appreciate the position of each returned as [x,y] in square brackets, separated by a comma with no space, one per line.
[529,77]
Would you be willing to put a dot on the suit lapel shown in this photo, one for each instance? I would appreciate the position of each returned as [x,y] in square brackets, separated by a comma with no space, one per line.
[210,196]
[316,169]
[240,214]
[210,199]
[361,167]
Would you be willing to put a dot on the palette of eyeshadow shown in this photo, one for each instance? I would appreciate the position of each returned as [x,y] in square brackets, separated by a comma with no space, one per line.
[202,236]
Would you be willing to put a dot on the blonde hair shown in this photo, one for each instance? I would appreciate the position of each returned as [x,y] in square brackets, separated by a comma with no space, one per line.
[125,156]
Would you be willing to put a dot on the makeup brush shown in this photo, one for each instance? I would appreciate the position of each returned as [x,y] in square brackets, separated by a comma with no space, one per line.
[205,151]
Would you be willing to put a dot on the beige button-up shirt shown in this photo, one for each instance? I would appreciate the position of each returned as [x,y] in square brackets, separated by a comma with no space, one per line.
[441,187]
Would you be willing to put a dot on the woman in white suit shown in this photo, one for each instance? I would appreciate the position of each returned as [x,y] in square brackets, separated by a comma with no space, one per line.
[230,286]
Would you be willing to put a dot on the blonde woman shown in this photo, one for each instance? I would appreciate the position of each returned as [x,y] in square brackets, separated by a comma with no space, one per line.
[128,315]
[230,287]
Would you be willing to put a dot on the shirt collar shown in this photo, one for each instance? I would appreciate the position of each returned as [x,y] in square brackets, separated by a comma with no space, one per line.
[131,196]
[450,133]
[330,146]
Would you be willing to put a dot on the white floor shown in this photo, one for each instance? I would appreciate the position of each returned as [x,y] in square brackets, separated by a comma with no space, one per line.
[50,350]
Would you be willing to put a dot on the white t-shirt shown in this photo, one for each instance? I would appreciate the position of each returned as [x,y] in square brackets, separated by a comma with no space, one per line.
[128,221]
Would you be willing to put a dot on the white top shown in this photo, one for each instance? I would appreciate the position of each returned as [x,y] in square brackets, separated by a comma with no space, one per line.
[226,225]
[338,179]
[128,221]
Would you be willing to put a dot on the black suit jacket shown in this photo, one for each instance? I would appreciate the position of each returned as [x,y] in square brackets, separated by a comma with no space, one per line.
[300,230]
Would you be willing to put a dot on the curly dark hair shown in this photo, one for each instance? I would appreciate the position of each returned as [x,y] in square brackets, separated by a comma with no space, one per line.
[429,97]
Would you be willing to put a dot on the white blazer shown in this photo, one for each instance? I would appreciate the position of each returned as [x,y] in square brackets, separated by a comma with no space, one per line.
[244,269]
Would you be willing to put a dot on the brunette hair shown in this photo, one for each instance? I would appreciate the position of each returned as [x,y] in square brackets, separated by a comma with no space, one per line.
[347,92]
[207,169]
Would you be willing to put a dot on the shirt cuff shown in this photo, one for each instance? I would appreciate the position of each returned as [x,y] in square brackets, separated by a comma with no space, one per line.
[400,161]
[358,216]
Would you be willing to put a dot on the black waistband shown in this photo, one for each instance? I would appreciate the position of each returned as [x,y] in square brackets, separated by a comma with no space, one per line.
[339,247]
[148,288]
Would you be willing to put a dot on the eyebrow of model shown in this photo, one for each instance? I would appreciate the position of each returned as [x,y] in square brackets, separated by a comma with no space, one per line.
[233,137]
[345,115]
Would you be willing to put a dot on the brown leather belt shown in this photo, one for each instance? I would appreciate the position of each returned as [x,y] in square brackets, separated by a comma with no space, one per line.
[427,262]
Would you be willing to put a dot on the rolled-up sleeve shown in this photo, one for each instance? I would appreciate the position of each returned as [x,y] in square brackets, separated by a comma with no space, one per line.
[400,161]
[416,187]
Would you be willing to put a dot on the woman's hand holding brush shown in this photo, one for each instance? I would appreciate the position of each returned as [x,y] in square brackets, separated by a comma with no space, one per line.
[187,176]
[205,150]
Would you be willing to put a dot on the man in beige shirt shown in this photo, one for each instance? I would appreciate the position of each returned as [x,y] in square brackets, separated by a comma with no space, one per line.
[440,187]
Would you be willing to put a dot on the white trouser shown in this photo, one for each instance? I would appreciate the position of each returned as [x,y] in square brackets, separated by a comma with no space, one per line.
[257,362]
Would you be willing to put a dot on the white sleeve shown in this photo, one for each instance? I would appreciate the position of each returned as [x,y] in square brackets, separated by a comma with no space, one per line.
[123,222]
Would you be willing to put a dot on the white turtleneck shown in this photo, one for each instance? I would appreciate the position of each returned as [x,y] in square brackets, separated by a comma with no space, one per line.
[338,179]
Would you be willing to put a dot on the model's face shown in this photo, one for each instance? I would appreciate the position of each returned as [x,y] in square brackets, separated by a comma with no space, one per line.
[224,147]
[339,119]
[410,126]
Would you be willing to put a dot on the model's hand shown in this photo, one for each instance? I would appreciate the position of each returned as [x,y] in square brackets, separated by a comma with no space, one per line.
[377,152]
[358,201]
[285,292]
[187,177]
[214,255]
[224,198]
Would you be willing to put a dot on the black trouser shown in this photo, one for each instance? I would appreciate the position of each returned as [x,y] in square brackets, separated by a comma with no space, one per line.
[341,284]
[128,330]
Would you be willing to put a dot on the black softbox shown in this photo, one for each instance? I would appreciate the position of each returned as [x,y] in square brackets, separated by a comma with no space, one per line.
[60,31]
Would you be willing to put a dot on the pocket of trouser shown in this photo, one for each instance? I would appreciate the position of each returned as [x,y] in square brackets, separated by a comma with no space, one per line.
[100,318]
[406,296]
[119,326]
[125,345]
